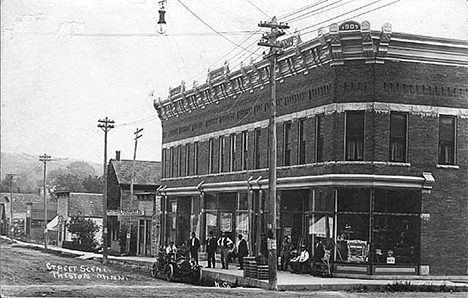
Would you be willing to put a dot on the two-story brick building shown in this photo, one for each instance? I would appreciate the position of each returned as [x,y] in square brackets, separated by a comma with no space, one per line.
[372,151]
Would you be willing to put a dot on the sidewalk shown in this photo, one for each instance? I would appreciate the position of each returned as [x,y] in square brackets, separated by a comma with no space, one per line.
[286,281]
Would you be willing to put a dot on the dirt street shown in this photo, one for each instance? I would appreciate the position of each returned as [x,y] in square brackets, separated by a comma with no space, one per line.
[27,272]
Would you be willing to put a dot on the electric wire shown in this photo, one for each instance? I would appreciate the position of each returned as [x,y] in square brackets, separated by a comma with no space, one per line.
[299,10]
[317,11]
[343,14]
[206,24]
[259,9]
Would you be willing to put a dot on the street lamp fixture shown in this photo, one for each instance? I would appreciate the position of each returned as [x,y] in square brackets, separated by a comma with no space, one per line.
[161,26]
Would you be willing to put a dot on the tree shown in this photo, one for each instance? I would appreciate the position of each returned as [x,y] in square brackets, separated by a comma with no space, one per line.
[78,176]
[68,182]
[84,232]
[92,184]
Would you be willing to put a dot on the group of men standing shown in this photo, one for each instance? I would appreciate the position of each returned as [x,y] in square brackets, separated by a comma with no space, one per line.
[225,245]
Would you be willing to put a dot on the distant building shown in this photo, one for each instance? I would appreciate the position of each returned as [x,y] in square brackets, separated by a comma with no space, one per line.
[130,219]
[88,205]
[372,159]
[28,214]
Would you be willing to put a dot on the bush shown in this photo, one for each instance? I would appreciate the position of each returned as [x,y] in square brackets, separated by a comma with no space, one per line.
[84,233]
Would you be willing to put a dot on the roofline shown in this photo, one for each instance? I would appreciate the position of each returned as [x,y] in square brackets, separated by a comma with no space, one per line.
[333,48]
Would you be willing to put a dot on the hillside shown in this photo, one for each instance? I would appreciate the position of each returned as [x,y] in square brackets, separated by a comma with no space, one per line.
[29,170]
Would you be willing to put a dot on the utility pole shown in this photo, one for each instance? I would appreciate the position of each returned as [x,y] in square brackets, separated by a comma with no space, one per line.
[10,184]
[45,159]
[106,125]
[137,136]
[269,39]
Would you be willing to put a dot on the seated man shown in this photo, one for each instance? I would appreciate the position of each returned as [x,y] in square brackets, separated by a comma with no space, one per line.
[171,251]
[299,263]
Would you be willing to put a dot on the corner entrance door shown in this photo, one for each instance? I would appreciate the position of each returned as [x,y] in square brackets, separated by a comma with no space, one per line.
[144,237]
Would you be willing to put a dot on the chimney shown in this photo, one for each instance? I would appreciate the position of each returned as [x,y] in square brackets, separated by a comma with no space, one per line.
[117,155]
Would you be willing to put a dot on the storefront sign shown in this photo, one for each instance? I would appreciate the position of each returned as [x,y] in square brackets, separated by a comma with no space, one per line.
[390,260]
[124,212]
[357,251]
[226,222]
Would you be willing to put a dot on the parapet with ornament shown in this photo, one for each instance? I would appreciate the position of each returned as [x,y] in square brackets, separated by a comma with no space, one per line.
[348,41]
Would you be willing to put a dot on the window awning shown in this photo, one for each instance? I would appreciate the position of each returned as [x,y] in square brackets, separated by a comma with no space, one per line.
[423,183]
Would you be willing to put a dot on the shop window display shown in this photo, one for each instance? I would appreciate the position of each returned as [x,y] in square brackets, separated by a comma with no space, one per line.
[396,227]
[353,238]
[386,233]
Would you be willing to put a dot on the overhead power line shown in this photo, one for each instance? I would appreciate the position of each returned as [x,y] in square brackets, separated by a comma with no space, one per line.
[305,31]
[206,24]
[259,9]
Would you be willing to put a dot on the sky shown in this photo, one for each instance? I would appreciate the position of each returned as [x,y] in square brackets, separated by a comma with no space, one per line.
[67,64]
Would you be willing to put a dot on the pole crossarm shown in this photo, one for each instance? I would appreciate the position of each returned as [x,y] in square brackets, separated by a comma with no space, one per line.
[105,124]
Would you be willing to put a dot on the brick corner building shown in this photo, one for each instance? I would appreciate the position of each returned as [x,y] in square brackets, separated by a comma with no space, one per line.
[372,151]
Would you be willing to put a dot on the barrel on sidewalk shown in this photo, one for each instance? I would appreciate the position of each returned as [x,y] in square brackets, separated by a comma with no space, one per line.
[250,267]
[262,271]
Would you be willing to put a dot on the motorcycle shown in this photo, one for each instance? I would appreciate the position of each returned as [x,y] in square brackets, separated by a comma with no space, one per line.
[182,268]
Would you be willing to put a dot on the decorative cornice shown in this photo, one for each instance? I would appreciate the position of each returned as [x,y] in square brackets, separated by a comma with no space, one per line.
[348,41]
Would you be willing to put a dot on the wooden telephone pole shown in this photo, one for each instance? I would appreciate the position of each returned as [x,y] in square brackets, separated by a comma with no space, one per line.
[269,39]
[137,136]
[45,159]
[10,187]
[106,125]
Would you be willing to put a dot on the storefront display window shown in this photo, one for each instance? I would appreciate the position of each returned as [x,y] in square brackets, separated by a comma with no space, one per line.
[324,201]
[212,222]
[211,202]
[242,224]
[352,238]
[396,227]
[243,202]
[353,200]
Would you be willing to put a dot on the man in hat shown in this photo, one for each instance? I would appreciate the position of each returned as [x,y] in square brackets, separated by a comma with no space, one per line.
[225,244]
[242,251]
[194,246]
[298,264]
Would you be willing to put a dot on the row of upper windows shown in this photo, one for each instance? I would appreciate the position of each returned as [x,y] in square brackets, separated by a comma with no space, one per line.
[184,160]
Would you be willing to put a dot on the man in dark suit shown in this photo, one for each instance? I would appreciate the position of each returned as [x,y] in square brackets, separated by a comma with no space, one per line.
[242,251]
[194,246]
[211,246]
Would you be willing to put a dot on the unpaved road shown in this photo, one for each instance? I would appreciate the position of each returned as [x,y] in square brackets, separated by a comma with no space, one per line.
[27,272]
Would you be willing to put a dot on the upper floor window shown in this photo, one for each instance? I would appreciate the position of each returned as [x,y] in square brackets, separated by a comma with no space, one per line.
[245,148]
[319,137]
[301,156]
[172,160]
[398,133]
[287,143]
[355,135]
[210,155]
[221,154]
[179,161]
[232,151]
[164,165]
[195,158]
[257,136]
[447,131]
[187,159]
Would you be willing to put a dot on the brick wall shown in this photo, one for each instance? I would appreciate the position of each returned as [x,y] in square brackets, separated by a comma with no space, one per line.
[444,232]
